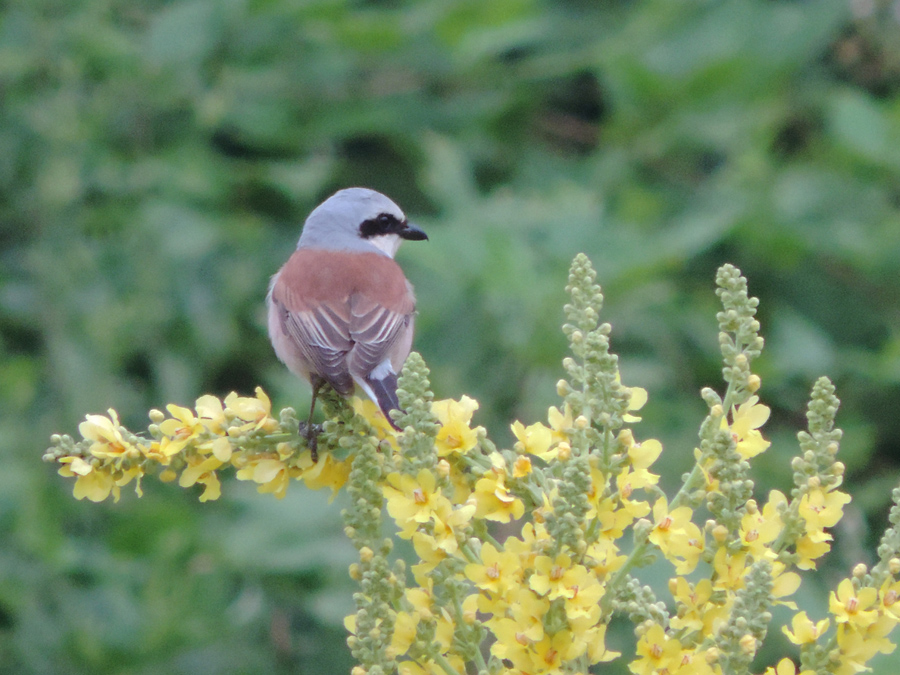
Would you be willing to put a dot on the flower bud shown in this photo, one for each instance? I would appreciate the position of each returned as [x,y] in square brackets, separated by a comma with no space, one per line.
[720,533]
[754,383]
[748,644]
[860,571]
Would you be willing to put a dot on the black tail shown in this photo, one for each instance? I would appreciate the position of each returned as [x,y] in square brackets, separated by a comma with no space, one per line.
[385,391]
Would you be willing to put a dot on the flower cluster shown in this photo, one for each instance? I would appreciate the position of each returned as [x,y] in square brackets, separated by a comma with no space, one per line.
[525,554]
[192,445]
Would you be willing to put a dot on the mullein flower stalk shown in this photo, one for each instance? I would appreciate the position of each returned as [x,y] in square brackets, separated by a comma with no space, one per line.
[524,554]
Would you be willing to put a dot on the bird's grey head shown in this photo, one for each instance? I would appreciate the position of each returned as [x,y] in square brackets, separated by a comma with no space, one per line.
[358,219]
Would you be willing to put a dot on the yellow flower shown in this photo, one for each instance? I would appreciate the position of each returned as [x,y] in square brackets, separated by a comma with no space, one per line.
[636,402]
[106,435]
[560,422]
[271,475]
[430,554]
[696,612]
[852,607]
[327,472]
[657,651]
[535,439]
[549,653]
[821,509]
[730,570]
[211,414]
[583,605]
[786,667]
[255,411]
[680,540]
[413,501]
[784,584]
[746,420]
[803,630]
[405,624]
[888,596]
[528,610]
[810,548]
[636,476]
[369,411]
[455,417]
[202,470]
[512,643]
[858,645]
[449,524]
[761,528]
[93,483]
[181,429]
[494,500]
[603,557]
[497,572]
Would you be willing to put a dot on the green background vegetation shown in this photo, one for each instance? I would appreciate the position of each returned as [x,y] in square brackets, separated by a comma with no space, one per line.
[158,158]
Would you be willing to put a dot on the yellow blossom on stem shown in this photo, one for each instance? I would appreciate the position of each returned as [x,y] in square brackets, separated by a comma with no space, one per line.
[369,411]
[270,474]
[657,652]
[560,422]
[812,547]
[108,442]
[888,595]
[730,570]
[821,509]
[852,607]
[412,501]
[326,473]
[535,439]
[494,500]
[760,528]
[92,483]
[696,612]
[498,571]
[201,469]
[803,630]
[636,402]
[784,584]
[455,417]
[786,667]
[554,577]
[680,540]
[256,411]
[746,420]
[181,429]
[858,644]
[211,414]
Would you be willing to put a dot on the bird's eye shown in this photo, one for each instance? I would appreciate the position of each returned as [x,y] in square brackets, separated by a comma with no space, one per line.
[384,219]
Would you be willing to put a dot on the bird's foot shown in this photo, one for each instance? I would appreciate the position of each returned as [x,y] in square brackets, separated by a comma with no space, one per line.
[311,433]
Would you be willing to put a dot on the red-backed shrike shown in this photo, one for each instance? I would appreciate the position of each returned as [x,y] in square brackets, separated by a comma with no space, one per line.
[340,310]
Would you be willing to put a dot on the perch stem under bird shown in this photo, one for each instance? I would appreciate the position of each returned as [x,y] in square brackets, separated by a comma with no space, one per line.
[340,310]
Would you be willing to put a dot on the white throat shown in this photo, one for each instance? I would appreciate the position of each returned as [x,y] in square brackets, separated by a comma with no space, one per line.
[389,243]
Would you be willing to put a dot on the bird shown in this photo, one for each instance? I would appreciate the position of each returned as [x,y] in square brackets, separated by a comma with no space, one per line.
[340,310]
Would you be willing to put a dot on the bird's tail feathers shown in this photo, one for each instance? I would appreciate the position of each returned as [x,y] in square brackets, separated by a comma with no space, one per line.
[385,394]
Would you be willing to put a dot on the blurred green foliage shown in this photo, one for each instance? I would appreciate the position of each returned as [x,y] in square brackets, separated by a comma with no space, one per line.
[158,158]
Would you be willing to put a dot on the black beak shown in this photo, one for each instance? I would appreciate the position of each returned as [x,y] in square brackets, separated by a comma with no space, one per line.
[412,233]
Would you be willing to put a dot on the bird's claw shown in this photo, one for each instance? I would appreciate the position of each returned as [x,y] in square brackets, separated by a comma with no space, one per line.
[311,433]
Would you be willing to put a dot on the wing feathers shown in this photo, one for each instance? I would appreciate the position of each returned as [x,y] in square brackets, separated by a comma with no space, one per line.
[360,322]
